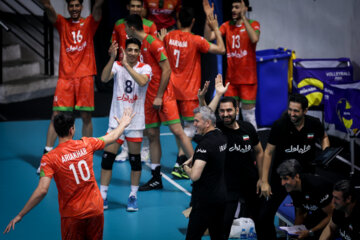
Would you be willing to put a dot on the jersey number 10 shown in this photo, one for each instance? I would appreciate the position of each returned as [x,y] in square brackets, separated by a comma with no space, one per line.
[80,165]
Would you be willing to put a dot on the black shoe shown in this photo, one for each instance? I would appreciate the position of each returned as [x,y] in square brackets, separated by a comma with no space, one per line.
[152,184]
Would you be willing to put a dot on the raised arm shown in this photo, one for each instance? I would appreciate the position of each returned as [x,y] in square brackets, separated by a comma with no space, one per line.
[202,92]
[97,10]
[50,11]
[209,10]
[38,195]
[123,123]
[253,35]
[219,46]
[106,74]
[220,90]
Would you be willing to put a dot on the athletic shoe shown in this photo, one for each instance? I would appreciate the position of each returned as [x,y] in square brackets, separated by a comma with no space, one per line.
[123,156]
[132,204]
[177,172]
[152,184]
[145,154]
[184,174]
[106,204]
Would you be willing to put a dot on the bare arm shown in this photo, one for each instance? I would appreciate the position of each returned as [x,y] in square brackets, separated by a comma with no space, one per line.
[220,90]
[164,81]
[38,195]
[253,35]
[299,216]
[329,231]
[106,74]
[196,170]
[140,79]
[208,34]
[50,11]
[259,156]
[325,142]
[219,47]
[97,11]
[123,123]
[265,186]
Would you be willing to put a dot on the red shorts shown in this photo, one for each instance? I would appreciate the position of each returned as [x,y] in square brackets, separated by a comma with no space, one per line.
[167,115]
[87,228]
[74,92]
[186,109]
[245,92]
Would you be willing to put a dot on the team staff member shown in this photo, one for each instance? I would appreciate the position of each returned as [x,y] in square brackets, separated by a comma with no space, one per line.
[311,195]
[71,165]
[162,12]
[183,48]
[206,170]
[241,174]
[119,35]
[293,136]
[241,35]
[160,103]
[345,221]
[131,79]
[75,86]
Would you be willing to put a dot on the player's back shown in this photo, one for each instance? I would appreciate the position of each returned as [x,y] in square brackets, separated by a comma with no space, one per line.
[71,165]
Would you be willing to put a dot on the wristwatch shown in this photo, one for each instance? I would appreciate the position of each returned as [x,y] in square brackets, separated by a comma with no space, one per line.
[311,233]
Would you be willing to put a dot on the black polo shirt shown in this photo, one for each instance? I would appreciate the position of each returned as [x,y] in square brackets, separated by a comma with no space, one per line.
[210,187]
[348,227]
[240,170]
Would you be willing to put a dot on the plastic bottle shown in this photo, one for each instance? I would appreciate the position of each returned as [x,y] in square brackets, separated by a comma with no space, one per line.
[243,234]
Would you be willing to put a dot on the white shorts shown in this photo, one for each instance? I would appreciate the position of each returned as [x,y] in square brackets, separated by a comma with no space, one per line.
[129,135]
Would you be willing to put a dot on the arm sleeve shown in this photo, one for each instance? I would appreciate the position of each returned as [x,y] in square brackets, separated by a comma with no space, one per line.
[202,44]
[256,26]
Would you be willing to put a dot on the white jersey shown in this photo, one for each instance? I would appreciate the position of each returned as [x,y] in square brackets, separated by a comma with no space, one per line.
[127,93]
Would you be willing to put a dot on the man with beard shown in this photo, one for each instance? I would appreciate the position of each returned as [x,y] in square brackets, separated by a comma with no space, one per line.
[293,136]
[242,35]
[345,222]
[241,172]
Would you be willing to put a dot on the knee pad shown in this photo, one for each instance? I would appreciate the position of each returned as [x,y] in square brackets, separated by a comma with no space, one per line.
[135,162]
[107,160]
[189,129]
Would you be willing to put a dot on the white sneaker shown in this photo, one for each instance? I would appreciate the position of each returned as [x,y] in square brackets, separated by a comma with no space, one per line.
[145,154]
[123,156]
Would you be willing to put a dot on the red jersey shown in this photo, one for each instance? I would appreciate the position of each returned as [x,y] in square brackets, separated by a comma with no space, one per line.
[71,165]
[119,34]
[153,52]
[162,12]
[77,58]
[184,50]
[241,56]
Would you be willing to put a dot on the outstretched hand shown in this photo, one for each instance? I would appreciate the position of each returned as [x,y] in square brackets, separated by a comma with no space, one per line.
[207,9]
[126,117]
[161,35]
[203,91]
[219,87]
[212,21]
[12,224]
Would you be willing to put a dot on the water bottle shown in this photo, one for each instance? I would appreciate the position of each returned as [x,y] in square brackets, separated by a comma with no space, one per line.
[243,234]
[252,234]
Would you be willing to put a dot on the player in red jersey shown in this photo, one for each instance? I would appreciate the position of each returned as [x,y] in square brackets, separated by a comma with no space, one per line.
[183,48]
[242,35]
[119,35]
[162,12]
[160,103]
[75,86]
[71,166]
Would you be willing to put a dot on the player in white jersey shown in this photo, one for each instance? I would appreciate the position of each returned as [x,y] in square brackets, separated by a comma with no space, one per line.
[130,84]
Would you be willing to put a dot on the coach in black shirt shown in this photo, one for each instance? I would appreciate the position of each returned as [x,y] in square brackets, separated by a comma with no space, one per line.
[206,170]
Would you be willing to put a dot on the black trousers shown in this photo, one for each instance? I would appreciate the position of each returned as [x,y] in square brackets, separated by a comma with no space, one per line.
[206,217]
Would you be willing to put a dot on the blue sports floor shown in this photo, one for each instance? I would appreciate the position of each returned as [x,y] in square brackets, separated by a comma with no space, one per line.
[160,212]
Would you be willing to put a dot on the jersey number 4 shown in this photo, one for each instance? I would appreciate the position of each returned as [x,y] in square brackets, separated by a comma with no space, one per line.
[77,37]
[80,166]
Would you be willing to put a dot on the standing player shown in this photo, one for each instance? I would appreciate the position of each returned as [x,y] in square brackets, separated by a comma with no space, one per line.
[130,84]
[119,35]
[162,12]
[242,35]
[184,50]
[160,103]
[75,86]
[71,165]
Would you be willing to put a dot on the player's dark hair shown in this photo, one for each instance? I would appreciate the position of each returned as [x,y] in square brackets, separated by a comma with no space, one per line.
[80,1]
[63,122]
[128,1]
[289,168]
[133,40]
[347,189]
[186,16]
[247,4]
[229,99]
[134,20]
[298,98]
